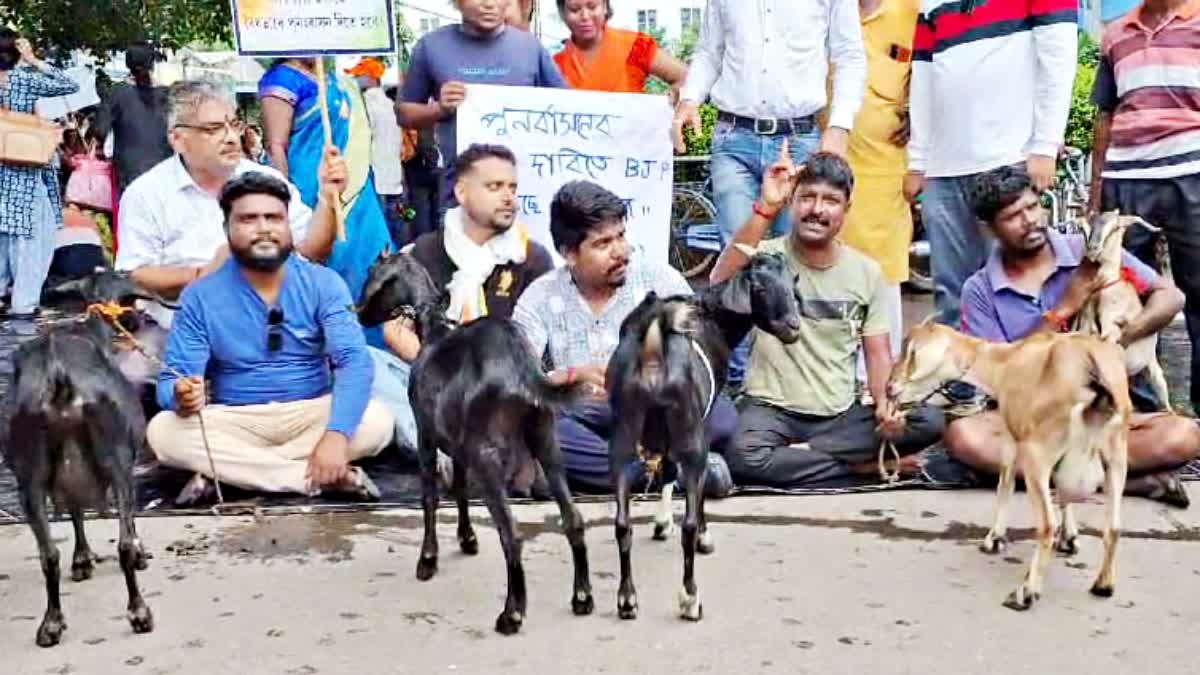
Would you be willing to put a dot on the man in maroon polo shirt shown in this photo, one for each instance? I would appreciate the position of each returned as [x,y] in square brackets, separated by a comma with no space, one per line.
[1036,280]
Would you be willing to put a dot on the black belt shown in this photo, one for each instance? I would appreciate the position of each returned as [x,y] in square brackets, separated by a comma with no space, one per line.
[770,126]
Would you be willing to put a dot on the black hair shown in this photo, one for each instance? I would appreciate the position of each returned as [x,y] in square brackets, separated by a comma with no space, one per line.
[140,56]
[252,183]
[9,56]
[477,152]
[996,190]
[827,168]
[608,10]
[580,207]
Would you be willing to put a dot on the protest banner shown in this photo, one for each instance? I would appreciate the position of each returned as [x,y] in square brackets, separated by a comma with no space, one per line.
[619,141]
[313,27]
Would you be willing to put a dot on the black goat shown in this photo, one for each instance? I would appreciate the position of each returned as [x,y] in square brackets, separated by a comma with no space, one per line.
[668,368]
[75,425]
[479,394]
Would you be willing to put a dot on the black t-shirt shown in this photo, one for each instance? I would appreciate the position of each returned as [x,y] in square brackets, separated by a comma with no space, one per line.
[502,288]
[138,120]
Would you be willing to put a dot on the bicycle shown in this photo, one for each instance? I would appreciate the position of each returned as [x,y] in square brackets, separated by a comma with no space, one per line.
[695,236]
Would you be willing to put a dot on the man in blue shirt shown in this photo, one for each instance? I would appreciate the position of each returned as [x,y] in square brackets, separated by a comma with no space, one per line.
[272,342]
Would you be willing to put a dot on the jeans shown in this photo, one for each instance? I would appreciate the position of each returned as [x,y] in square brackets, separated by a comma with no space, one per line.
[25,261]
[957,243]
[584,432]
[763,456]
[739,159]
[393,214]
[391,389]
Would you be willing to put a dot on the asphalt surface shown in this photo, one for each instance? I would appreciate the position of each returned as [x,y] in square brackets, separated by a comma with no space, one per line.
[886,583]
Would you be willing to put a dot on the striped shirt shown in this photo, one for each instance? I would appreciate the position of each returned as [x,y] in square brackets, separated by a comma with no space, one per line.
[991,83]
[1149,80]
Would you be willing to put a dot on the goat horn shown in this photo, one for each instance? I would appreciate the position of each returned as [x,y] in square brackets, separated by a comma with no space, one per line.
[1149,228]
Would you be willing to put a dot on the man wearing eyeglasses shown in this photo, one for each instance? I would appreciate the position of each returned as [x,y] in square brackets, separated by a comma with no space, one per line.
[170,232]
[286,360]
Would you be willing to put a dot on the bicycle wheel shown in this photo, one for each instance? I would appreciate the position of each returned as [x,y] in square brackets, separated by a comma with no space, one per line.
[695,239]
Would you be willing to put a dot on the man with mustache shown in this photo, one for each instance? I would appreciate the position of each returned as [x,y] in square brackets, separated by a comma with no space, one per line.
[1037,280]
[572,318]
[288,372]
[802,423]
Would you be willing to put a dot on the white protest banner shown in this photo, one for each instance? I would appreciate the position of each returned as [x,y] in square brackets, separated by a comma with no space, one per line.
[619,141]
[313,27]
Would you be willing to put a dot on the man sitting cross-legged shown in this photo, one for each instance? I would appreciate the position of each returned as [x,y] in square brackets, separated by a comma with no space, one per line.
[802,424]
[278,341]
[1037,280]
[574,314]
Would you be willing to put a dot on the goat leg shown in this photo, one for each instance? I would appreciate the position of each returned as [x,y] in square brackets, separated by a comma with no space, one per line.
[83,562]
[620,456]
[50,631]
[1066,540]
[693,467]
[1037,485]
[428,562]
[1114,487]
[492,470]
[129,551]
[468,543]
[997,537]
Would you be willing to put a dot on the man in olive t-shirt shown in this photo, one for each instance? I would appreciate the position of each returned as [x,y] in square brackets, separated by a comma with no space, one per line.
[801,423]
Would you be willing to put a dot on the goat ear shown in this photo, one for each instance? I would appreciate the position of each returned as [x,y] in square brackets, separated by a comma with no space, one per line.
[735,294]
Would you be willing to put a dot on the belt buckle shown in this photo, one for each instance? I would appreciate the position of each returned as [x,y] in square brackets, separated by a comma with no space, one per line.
[762,130]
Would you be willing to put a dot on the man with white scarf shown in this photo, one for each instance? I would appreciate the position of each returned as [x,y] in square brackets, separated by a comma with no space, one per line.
[482,256]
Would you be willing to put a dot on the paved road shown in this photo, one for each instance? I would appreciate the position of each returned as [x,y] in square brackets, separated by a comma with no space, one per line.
[885,583]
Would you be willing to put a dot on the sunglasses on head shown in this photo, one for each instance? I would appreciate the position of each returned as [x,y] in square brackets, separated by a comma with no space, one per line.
[274,329]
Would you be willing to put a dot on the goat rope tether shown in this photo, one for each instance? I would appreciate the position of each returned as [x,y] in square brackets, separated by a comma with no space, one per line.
[112,313]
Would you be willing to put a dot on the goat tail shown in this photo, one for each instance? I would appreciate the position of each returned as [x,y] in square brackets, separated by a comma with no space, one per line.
[557,395]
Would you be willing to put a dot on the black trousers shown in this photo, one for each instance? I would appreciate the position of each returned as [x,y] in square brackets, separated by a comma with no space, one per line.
[761,454]
[1172,204]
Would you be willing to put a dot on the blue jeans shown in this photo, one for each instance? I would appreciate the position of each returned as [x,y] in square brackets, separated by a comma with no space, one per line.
[739,159]
[957,244]
[391,389]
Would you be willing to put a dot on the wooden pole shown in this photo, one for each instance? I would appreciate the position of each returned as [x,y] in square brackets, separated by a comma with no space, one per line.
[323,95]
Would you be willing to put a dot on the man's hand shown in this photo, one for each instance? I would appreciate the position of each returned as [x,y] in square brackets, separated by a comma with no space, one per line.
[190,396]
[687,114]
[401,337]
[1041,171]
[903,133]
[1084,282]
[835,140]
[779,181]
[333,174]
[889,422]
[914,185]
[451,97]
[328,464]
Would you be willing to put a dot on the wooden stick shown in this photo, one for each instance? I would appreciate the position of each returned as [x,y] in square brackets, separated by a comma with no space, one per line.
[323,95]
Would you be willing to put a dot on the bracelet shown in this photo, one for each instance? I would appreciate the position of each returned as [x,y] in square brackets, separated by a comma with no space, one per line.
[762,211]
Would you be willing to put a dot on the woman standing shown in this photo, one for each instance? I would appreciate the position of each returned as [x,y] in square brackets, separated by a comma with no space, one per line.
[295,143]
[601,58]
[30,202]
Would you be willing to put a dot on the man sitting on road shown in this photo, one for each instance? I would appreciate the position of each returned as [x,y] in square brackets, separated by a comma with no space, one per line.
[574,314]
[482,256]
[802,423]
[1036,280]
[170,234]
[278,340]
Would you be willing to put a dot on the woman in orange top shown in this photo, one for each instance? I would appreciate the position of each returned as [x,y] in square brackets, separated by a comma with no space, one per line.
[601,58]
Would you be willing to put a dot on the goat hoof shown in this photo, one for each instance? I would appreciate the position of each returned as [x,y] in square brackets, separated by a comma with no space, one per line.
[426,568]
[1020,599]
[81,569]
[1102,590]
[141,620]
[690,607]
[994,545]
[469,545]
[50,632]
[1067,547]
[582,603]
[705,544]
[663,531]
[508,623]
[627,607]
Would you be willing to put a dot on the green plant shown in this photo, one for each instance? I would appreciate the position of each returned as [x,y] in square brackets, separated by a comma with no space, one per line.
[1082,117]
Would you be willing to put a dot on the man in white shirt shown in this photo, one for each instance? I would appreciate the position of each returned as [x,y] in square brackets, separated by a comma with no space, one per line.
[171,230]
[764,64]
[991,87]
[387,146]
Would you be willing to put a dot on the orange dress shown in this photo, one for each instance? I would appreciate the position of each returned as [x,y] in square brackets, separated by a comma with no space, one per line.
[621,65]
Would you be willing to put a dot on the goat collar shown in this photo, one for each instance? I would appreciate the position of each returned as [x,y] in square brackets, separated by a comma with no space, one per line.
[712,379]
